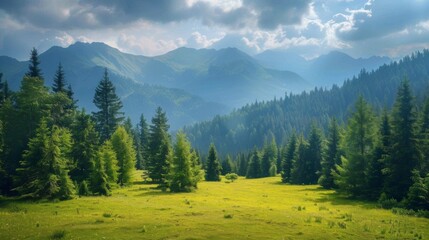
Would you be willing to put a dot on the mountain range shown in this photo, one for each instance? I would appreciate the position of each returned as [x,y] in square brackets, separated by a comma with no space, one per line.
[191,85]
[325,70]
[256,124]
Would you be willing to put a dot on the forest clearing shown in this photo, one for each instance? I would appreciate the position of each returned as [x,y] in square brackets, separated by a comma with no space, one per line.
[244,209]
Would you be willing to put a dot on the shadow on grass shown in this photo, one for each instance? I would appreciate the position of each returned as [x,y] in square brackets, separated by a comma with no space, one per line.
[335,198]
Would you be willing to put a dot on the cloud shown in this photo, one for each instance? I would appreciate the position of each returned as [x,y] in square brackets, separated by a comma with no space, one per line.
[273,13]
[380,18]
[69,14]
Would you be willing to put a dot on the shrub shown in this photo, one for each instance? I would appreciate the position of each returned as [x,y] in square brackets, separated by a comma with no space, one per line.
[387,203]
[231,177]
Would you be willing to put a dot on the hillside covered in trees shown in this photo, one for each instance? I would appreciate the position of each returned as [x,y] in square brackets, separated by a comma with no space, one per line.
[257,123]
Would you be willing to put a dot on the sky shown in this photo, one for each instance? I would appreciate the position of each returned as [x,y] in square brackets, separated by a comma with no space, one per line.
[360,28]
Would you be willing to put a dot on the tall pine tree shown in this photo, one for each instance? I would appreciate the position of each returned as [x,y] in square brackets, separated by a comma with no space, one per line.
[181,176]
[109,115]
[122,144]
[254,166]
[33,68]
[405,154]
[288,155]
[213,167]
[60,83]
[269,158]
[359,146]
[158,148]
[331,156]
[85,147]
[315,150]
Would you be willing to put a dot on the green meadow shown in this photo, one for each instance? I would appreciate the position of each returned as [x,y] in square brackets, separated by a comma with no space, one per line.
[244,209]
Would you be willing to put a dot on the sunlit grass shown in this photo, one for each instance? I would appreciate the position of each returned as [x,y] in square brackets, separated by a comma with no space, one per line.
[244,209]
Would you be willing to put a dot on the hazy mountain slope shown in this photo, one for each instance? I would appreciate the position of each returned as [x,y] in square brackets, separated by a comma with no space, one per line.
[325,70]
[229,76]
[253,124]
[181,107]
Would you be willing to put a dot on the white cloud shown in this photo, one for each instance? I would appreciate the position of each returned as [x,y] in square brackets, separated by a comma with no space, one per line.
[199,40]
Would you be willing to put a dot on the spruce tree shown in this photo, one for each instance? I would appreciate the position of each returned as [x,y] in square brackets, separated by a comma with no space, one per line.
[122,144]
[405,154]
[314,155]
[143,140]
[269,158]
[289,153]
[32,101]
[181,176]
[4,90]
[109,115]
[99,179]
[33,68]
[301,163]
[242,164]
[213,168]
[227,165]
[85,147]
[44,168]
[418,194]
[424,136]
[60,83]
[375,177]
[331,156]
[159,148]
[254,166]
[108,156]
[359,146]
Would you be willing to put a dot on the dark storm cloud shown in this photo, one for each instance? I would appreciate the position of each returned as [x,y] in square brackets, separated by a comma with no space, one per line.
[69,14]
[272,13]
[386,17]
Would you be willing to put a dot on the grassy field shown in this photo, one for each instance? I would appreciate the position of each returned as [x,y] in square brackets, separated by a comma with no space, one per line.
[244,209]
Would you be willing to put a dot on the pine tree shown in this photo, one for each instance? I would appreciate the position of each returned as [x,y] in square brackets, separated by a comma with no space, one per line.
[227,165]
[242,165]
[4,90]
[375,178]
[197,171]
[405,154]
[108,156]
[181,176]
[301,163]
[213,168]
[60,83]
[424,135]
[359,146]
[109,116]
[33,68]
[289,154]
[85,147]
[144,140]
[332,156]
[314,155]
[43,172]
[269,158]
[99,179]
[122,144]
[254,166]
[32,102]
[12,143]
[158,148]
[418,194]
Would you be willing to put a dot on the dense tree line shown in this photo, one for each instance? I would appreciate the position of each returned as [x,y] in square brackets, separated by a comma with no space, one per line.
[254,124]
[50,149]
[372,156]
